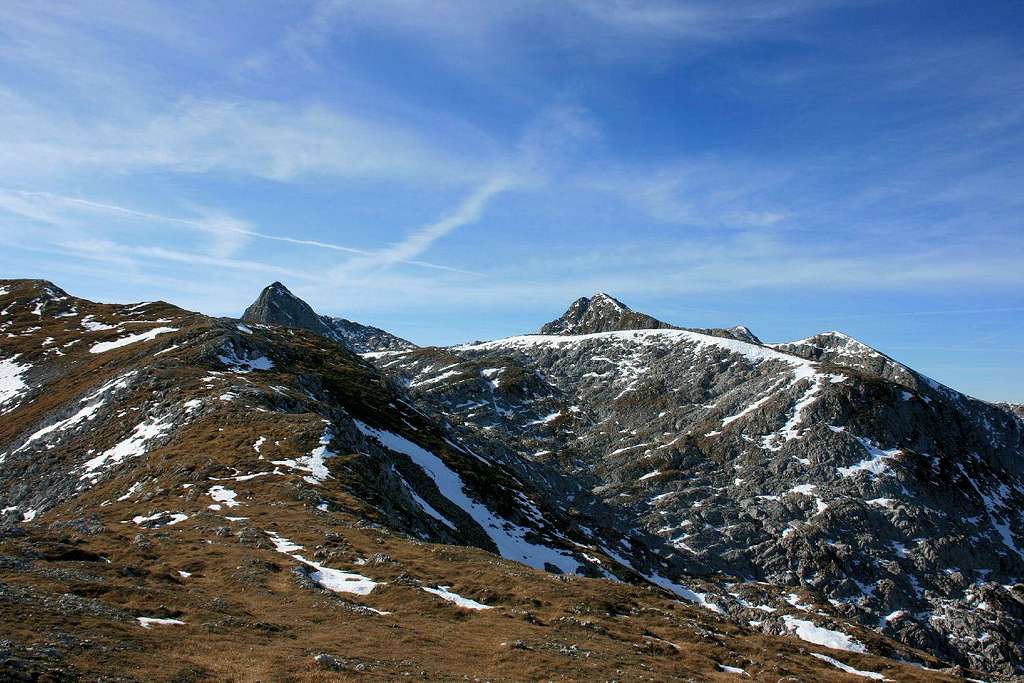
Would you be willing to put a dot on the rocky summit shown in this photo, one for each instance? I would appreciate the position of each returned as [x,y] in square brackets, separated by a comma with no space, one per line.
[600,313]
[290,496]
[276,305]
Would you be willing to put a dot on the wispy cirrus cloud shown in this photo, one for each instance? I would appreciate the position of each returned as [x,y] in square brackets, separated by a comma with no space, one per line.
[587,25]
[699,20]
[256,138]
[701,191]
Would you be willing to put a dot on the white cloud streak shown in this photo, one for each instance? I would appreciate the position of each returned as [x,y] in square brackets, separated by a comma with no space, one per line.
[51,208]
[468,211]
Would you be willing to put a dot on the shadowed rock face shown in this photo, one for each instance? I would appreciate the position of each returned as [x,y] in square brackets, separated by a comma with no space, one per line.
[276,305]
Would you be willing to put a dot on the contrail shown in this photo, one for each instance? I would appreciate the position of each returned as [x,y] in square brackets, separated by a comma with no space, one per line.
[205,227]
[468,211]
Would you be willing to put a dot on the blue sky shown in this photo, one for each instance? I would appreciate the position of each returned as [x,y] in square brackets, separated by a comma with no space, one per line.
[464,170]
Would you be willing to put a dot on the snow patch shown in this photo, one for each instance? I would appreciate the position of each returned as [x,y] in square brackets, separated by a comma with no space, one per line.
[732,670]
[222,495]
[331,579]
[131,447]
[849,669]
[12,384]
[85,414]
[244,363]
[131,339]
[91,325]
[876,464]
[445,594]
[149,622]
[171,517]
[812,633]
[314,463]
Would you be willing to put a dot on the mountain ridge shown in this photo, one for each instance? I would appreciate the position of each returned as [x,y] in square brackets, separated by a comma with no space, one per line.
[198,455]
[799,428]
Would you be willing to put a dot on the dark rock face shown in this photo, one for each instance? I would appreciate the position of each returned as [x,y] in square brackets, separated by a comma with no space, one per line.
[276,305]
[821,463]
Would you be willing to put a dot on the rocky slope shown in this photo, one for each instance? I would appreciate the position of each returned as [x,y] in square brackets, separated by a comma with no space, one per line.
[822,465]
[276,305]
[189,498]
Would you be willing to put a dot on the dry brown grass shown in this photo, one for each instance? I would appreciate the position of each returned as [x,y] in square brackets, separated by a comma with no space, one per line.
[249,619]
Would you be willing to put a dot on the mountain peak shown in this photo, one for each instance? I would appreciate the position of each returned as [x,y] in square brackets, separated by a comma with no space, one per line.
[277,285]
[600,313]
[276,305]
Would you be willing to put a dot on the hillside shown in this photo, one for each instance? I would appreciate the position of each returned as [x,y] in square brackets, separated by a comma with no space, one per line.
[189,498]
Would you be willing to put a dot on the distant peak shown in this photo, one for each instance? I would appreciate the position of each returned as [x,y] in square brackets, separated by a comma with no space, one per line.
[743,333]
[600,313]
[835,337]
[276,305]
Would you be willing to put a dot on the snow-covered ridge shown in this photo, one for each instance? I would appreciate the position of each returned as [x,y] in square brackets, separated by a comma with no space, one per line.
[842,349]
[753,352]
[635,342]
